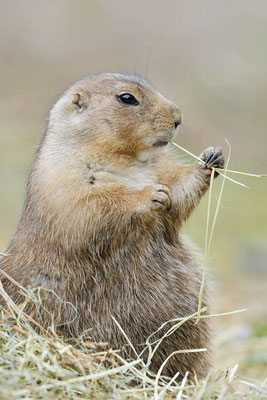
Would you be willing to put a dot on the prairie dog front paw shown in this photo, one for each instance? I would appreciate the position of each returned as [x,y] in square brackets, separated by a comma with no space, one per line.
[213,158]
[160,198]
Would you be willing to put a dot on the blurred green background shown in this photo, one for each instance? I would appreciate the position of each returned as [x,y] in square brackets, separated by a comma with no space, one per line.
[210,58]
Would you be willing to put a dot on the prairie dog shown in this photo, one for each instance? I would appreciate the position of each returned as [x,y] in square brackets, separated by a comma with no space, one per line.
[102,218]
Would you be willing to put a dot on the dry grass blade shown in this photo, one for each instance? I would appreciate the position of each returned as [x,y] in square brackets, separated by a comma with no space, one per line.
[221,170]
[165,362]
[4,255]
[179,395]
[126,337]
[92,377]
[241,173]
[208,236]
[206,251]
[208,240]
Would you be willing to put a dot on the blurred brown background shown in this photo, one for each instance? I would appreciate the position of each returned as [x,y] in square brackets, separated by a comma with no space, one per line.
[210,58]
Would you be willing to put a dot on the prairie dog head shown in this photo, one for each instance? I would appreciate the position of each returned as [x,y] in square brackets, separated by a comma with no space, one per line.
[109,122]
[113,114]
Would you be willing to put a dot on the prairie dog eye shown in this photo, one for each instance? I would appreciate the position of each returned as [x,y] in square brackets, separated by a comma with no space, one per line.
[127,99]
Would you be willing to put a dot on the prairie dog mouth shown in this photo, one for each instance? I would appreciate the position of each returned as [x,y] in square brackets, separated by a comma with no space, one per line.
[160,143]
[165,138]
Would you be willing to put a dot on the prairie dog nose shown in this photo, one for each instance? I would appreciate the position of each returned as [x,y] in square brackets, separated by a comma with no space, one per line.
[177,115]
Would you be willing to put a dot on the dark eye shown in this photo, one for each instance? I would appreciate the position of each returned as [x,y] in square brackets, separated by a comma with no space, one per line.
[128,99]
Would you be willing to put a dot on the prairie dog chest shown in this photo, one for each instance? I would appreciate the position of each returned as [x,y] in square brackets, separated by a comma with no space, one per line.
[137,178]
[143,173]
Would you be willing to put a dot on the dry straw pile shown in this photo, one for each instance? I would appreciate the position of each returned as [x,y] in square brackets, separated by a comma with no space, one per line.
[42,365]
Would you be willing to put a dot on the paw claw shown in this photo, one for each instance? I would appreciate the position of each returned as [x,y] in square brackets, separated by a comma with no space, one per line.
[213,158]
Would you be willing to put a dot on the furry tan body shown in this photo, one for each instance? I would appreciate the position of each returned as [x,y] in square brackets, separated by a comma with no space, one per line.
[102,218]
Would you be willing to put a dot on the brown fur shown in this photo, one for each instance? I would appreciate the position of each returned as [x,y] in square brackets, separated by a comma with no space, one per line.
[101,223]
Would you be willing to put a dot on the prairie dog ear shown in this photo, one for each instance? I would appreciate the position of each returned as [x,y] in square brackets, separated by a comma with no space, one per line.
[81,100]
